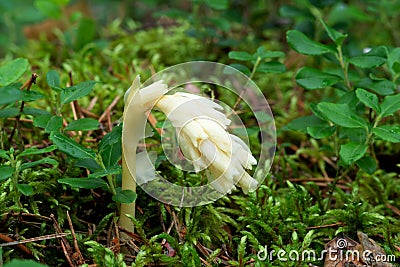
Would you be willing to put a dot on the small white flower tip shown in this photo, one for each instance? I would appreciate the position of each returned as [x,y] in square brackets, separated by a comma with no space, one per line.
[248,183]
[132,89]
[149,95]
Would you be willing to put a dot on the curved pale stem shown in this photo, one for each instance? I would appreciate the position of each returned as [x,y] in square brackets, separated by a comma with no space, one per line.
[137,102]
[128,182]
[130,139]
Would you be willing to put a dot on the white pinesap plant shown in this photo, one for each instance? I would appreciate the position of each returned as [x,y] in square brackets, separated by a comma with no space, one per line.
[202,134]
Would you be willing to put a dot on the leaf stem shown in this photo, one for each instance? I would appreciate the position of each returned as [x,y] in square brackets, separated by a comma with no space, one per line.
[27,85]
[368,139]
[344,65]
[253,71]
[338,178]
[14,179]
[110,178]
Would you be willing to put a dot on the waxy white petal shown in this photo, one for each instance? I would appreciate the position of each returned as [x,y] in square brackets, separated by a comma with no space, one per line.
[217,134]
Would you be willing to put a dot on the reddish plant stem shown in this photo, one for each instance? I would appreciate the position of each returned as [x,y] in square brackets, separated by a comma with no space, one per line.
[27,85]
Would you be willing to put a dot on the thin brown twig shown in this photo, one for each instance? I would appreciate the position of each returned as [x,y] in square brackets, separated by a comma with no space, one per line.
[89,114]
[338,185]
[78,109]
[325,226]
[33,239]
[116,230]
[65,123]
[15,214]
[64,243]
[21,247]
[74,111]
[313,179]
[109,121]
[180,229]
[77,253]
[152,70]
[109,233]
[74,107]
[205,262]
[393,208]
[21,120]
[71,81]
[92,103]
[168,231]
[239,98]
[65,250]
[153,121]
[116,75]
[204,251]
[132,235]
[109,108]
[131,245]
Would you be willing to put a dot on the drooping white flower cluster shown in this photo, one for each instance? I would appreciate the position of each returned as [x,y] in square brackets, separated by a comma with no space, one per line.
[203,138]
